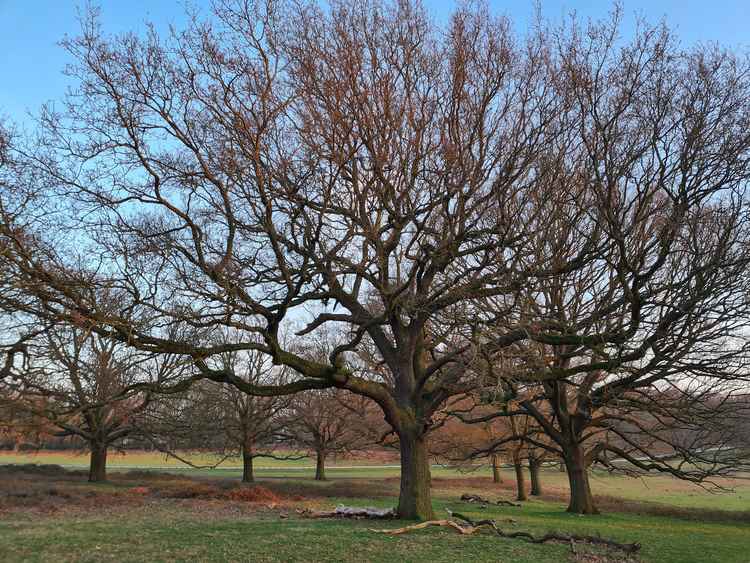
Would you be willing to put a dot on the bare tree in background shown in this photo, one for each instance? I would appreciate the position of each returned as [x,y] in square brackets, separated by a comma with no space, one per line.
[536,457]
[327,423]
[668,303]
[644,338]
[359,165]
[248,425]
[474,430]
[515,438]
[20,429]
[662,394]
[466,445]
[222,420]
[75,381]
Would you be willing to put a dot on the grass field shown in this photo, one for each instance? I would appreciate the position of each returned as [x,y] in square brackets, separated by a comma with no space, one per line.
[654,489]
[66,519]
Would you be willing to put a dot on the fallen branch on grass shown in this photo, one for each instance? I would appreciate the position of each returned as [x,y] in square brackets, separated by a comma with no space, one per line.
[466,531]
[475,526]
[358,513]
[466,497]
[550,536]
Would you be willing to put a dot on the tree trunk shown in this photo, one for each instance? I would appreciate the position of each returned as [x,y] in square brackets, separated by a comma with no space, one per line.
[581,500]
[98,463]
[536,483]
[520,479]
[520,482]
[247,466]
[414,501]
[320,466]
[496,477]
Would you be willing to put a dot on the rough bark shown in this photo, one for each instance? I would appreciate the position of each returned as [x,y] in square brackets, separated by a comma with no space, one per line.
[520,479]
[98,463]
[320,466]
[581,500]
[248,475]
[496,477]
[415,501]
[536,483]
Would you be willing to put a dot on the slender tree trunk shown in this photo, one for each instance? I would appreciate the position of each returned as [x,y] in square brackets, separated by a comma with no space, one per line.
[520,479]
[414,501]
[581,500]
[496,477]
[247,465]
[98,462]
[320,466]
[536,483]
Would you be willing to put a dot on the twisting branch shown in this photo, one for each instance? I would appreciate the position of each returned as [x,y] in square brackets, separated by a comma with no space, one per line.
[476,525]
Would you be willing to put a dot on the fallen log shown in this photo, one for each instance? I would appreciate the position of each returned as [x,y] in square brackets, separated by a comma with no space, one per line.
[467,497]
[354,512]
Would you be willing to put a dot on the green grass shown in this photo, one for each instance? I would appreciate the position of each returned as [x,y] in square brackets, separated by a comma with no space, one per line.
[166,530]
[164,534]
[653,489]
[143,459]
[250,540]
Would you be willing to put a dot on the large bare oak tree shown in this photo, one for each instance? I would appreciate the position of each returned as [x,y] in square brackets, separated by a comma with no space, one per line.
[362,166]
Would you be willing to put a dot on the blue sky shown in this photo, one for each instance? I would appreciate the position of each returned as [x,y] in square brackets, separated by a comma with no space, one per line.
[31,63]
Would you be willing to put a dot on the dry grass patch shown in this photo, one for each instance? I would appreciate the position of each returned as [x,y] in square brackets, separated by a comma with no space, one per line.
[253,494]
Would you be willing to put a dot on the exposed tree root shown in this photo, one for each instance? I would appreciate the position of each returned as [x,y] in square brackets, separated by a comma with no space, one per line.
[475,526]
[466,497]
